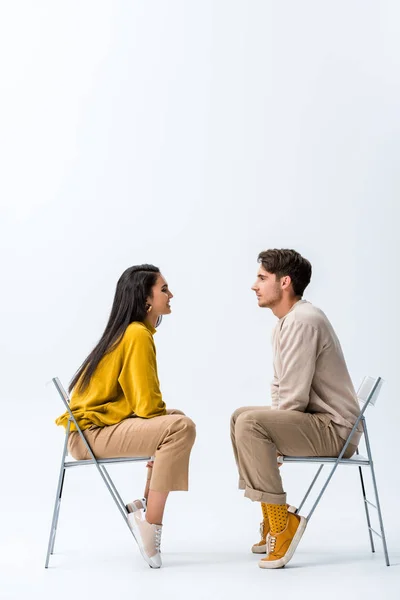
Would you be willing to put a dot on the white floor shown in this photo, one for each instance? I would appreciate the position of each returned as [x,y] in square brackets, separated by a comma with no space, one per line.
[100,566]
[206,539]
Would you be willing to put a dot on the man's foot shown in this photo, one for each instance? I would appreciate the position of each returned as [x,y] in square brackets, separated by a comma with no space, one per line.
[281,546]
[136,505]
[148,537]
[261,546]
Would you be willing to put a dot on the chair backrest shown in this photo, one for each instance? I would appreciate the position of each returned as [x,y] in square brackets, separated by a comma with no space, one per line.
[62,391]
[369,390]
[65,398]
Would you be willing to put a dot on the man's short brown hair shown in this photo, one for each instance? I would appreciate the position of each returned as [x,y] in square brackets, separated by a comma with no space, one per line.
[288,262]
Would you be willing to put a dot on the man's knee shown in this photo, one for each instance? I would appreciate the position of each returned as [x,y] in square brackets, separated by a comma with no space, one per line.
[244,424]
[238,412]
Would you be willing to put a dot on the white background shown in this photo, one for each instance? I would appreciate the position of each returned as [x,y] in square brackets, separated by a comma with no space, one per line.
[192,135]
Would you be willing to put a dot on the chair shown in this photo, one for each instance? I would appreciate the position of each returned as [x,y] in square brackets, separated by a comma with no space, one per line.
[367,394]
[99,463]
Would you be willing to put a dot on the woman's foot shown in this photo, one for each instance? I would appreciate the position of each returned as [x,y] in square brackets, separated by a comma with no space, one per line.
[147,536]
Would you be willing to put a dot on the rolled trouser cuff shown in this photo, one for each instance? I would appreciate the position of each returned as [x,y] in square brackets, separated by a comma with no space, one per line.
[258,496]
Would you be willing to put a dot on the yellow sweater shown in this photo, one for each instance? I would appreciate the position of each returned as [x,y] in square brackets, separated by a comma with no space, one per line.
[124,383]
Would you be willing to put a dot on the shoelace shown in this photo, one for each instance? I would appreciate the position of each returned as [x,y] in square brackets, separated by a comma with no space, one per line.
[157,538]
[271,541]
[262,528]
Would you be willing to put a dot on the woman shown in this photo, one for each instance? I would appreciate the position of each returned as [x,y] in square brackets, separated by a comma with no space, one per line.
[116,400]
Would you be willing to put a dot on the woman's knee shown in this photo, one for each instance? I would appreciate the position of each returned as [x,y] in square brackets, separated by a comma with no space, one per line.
[76,447]
[174,411]
[186,428]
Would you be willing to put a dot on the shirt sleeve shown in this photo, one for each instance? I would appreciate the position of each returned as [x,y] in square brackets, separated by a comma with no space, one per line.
[298,353]
[139,379]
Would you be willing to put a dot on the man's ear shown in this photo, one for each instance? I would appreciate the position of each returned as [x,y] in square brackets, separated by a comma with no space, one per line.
[286,282]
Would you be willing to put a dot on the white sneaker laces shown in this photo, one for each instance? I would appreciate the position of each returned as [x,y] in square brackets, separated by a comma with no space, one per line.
[157,538]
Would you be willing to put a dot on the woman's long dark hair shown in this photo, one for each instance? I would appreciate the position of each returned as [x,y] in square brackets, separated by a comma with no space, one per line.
[133,288]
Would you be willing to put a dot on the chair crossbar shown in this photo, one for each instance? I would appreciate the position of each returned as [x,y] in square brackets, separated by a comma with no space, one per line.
[356,461]
[375,532]
[106,461]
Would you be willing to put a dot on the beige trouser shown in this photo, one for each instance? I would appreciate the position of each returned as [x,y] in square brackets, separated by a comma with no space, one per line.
[168,438]
[259,432]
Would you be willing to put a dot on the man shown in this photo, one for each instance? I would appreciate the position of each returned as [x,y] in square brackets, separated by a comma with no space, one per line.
[314,405]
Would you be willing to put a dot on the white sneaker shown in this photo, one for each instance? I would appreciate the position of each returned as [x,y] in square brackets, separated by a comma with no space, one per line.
[148,537]
[136,505]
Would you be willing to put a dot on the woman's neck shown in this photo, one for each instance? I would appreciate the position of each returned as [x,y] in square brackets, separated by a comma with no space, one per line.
[151,319]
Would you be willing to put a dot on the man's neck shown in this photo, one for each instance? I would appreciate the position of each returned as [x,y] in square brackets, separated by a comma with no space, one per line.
[285,306]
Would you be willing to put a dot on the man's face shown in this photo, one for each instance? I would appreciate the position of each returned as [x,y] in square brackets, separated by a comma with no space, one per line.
[267,288]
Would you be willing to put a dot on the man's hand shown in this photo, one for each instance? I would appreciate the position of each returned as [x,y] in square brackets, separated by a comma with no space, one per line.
[150,464]
[279,456]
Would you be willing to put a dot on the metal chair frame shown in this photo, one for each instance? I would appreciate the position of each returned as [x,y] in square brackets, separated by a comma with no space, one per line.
[68,464]
[367,395]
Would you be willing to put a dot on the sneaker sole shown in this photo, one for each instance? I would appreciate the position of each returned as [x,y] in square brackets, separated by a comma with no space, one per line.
[263,549]
[277,564]
[138,538]
[259,549]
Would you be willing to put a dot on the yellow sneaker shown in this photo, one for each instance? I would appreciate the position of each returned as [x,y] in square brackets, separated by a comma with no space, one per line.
[281,546]
[261,546]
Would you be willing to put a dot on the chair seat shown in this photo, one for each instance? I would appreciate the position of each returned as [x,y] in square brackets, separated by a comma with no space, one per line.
[72,462]
[357,459]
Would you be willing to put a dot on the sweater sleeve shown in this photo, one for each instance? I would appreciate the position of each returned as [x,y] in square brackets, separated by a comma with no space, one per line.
[275,391]
[275,380]
[138,377]
[298,354]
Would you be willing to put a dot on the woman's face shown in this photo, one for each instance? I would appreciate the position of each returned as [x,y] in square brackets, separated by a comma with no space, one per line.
[161,297]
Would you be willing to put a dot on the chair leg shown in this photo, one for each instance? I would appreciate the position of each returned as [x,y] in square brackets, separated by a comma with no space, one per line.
[378,505]
[380,516]
[323,489]
[57,502]
[56,512]
[371,539]
[116,493]
[310,488]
